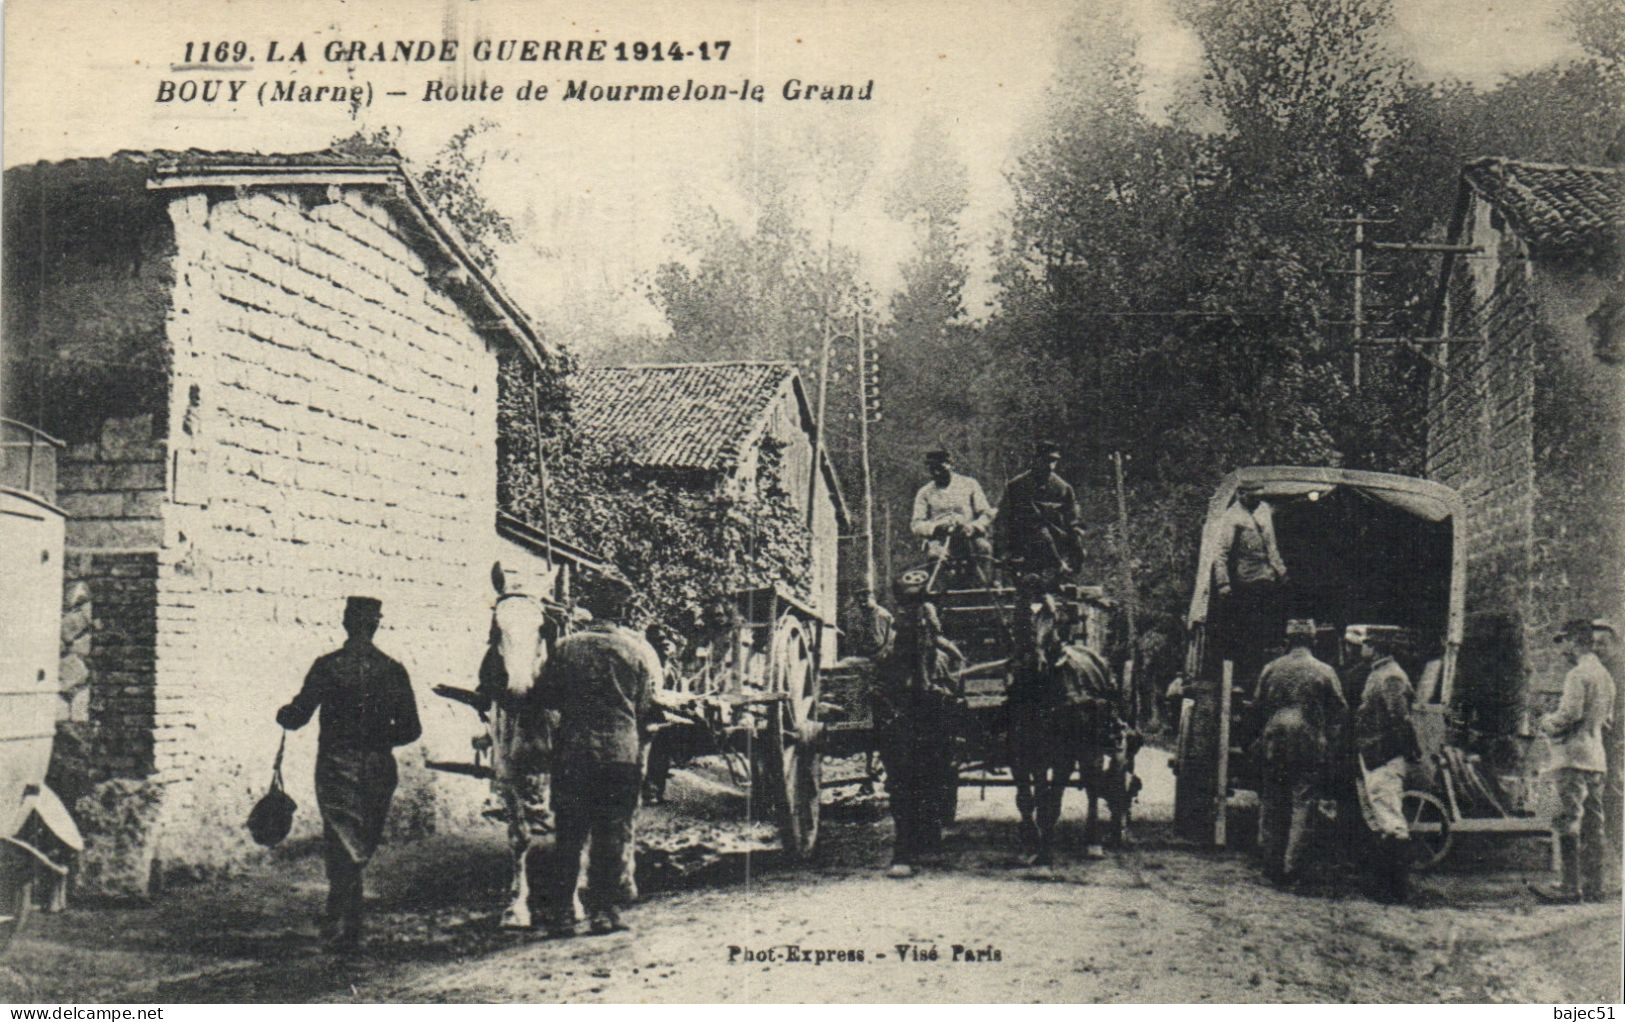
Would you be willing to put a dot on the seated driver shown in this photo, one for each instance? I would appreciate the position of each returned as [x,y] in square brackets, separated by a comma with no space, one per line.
[952,514]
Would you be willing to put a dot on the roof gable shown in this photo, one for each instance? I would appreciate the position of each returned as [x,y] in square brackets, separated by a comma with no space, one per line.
[1557,210]
[694,417]
[384,172]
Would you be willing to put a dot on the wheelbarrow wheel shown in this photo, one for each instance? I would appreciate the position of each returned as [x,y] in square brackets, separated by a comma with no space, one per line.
[1429,825]
[16,892]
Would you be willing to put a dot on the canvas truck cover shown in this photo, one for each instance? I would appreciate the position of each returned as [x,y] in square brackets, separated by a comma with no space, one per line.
[1426,500]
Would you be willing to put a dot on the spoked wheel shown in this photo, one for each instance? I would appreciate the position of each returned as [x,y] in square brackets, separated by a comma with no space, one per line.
[1429,825]
[797,771]
[16,891]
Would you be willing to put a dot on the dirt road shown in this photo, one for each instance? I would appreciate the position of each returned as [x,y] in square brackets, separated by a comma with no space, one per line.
[1153,923]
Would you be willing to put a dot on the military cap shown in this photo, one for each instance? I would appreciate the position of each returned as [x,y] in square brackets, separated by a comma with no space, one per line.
[1046,449]
[1300,628]
[938,456]
[1250,486]
[1583,626]
[364,606]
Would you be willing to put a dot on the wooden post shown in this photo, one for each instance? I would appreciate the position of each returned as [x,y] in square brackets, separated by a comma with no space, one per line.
[863,454]
[818,432]
[541,476]
[1359,294]
[885,543]
[1129,597]
[814,579]
[1220,797]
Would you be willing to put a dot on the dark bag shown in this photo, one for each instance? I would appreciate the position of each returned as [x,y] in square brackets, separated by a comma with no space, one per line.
[272,816]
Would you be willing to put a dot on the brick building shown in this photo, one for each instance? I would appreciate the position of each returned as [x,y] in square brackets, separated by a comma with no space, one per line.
[1525,421]
[277,379]
[707,424]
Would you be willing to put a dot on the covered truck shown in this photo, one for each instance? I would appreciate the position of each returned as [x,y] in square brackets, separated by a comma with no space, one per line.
[1360,548]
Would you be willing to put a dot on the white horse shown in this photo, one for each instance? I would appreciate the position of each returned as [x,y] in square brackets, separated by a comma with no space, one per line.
[521,734]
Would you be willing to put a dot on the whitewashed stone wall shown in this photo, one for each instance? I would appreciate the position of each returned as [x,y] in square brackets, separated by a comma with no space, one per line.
[332,432]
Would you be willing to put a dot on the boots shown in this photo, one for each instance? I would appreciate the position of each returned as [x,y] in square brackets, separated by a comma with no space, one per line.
[1393,869]
[1593,868]
[1399,872]
[1566,892]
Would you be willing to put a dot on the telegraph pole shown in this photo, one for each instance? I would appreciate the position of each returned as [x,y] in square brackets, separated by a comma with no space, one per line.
[1129,596]
[1415,345]
[868,405]
[818,434]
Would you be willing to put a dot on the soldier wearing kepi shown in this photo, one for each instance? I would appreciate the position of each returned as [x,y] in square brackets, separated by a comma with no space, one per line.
[1579,763]
[952,514]
[367,709]
[1385,745]
[914,707]
[1037,523]
[1248,574]
[601,681]
[1302,706]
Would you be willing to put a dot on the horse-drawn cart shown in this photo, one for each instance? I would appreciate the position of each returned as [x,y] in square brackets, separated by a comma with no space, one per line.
[751,696]
[979,615]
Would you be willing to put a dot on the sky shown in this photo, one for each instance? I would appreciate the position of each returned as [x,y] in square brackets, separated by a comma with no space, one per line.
[597,189]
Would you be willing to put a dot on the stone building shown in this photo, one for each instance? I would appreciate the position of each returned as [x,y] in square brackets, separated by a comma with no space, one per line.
[1525,421]
[277,381]
[708,424]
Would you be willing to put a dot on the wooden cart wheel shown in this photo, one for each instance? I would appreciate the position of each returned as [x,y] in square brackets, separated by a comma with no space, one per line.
[798,768]
[16,891]
[1429,825]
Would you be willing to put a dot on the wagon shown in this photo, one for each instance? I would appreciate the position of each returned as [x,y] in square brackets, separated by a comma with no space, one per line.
[752,695]
[977,614]
[36,832]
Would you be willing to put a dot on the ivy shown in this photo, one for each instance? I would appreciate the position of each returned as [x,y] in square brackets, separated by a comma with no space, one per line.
[686,541]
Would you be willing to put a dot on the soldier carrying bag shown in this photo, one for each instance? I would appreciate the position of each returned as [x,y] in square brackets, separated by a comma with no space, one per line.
[272,816]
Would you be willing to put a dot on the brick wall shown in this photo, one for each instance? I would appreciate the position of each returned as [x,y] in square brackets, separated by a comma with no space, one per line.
[1481,443]
[1527,426]
[104,752]
[332,431]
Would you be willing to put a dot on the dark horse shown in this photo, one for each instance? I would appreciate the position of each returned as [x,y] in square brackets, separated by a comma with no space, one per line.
[1064,714]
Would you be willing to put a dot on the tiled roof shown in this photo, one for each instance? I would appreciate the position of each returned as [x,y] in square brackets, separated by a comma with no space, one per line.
[1557,210]
[695,416]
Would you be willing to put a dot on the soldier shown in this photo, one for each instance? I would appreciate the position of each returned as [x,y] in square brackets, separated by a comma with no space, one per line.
[1037,523]
[367,711]
[1580,764]
[915,700]
[1248,574]
[1302,707]
[601,681]
[1385,744]
[952,514]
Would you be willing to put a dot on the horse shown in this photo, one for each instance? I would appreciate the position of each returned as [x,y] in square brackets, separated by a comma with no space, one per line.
[1063,707]
[520,734]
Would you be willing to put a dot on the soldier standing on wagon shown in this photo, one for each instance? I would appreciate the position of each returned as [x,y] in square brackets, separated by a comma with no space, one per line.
[1248,575]
[1580,764]
[914,724]
[367,711]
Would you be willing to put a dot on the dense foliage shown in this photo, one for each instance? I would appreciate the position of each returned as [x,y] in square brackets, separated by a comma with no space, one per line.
[684,541]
